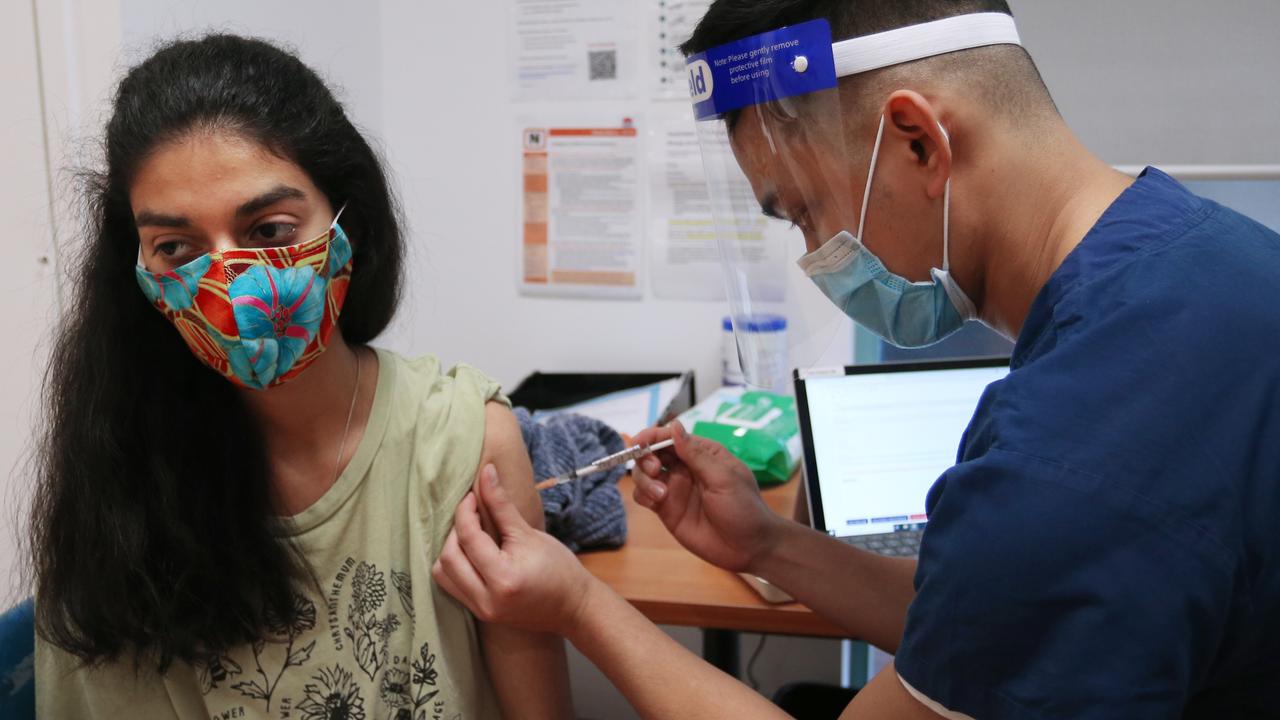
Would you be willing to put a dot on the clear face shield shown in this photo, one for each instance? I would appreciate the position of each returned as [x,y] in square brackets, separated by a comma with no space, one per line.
[777,136]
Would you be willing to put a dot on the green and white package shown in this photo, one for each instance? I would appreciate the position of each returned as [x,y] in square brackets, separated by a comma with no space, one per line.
[758,427]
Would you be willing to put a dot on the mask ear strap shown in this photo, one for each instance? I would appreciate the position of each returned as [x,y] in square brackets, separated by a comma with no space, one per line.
[946,212]
[946,227]
[335,217]
[768,134]
[871,172]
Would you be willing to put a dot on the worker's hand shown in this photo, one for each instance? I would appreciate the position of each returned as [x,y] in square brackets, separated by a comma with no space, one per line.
[525,578]
[706,497]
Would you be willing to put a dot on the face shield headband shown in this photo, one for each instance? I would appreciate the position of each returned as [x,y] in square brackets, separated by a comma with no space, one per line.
[794,60]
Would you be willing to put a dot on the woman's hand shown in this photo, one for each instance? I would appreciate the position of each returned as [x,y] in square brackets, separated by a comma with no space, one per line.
[707,498]
[525,579]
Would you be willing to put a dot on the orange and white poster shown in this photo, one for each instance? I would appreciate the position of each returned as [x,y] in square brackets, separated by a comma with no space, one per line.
[581,219]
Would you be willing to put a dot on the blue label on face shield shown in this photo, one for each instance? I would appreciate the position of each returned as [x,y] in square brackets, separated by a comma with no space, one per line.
[782,63]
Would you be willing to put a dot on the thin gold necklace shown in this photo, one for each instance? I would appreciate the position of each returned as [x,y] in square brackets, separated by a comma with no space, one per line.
[342,447]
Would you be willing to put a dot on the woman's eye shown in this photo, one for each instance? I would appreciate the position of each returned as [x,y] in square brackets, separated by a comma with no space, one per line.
[276,233]
[170,248]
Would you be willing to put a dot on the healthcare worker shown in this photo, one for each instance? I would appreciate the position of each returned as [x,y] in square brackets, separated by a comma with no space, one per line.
[1105,545]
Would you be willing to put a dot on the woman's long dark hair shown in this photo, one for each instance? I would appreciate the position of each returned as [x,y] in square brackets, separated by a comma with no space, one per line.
[152,519]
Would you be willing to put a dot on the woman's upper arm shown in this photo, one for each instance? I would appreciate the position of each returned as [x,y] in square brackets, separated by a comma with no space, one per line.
[504,449]
[529,670]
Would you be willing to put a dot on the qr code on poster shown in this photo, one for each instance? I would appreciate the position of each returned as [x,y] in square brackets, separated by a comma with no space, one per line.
[603,64]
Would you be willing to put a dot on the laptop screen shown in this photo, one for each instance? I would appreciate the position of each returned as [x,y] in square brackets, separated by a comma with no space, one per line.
[876,439]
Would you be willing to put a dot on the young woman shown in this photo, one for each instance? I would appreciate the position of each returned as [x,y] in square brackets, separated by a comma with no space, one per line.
[239,500]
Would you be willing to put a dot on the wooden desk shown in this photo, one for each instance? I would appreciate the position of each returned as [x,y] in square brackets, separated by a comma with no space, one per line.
[672,586]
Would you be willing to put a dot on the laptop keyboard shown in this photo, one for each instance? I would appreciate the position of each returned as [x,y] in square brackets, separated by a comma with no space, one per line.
[903,543]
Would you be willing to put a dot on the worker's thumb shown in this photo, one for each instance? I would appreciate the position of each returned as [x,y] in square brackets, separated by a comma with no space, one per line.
[694,452]
[506,517]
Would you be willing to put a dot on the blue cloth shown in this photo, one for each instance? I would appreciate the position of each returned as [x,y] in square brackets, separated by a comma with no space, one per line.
[587,513]
[17,662]
[1106,545]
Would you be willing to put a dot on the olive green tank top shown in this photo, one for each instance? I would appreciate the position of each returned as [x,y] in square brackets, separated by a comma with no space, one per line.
[382,640]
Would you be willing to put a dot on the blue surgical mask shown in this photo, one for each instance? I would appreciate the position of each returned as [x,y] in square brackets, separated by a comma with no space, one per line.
[905,313]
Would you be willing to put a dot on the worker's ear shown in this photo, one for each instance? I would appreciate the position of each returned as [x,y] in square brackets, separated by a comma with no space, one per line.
[913,126]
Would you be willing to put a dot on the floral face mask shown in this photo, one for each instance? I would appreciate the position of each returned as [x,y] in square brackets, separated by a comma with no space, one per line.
[258,316]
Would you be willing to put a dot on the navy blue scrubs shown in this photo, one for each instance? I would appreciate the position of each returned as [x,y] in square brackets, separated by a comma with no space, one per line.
[1108,544]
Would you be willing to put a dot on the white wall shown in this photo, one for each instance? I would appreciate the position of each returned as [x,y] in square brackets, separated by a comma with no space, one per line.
[1162,81]
[26,296]
[340,40]
[56,59]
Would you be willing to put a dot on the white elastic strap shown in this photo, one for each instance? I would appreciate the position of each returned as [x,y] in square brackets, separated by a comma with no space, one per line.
[946,227]
[946,209]
[916,42]
[871,172]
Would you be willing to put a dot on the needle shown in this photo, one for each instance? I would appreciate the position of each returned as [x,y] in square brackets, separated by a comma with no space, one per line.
[606,462]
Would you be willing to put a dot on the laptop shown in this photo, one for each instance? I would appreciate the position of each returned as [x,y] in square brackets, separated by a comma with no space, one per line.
[875,439]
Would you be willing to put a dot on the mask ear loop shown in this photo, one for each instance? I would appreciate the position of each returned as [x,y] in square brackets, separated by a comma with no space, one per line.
[768,134]
[871,172]
[946,211]
[335,217]
[959,299]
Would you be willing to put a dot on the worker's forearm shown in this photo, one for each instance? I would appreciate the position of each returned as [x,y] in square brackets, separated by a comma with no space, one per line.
[865,593]
[658,676]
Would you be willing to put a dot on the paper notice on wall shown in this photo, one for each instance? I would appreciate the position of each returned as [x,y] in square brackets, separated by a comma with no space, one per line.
[674,22]
[571,49]
[684,259]
[581,211]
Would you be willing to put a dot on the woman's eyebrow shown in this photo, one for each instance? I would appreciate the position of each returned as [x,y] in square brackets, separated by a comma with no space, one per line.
[146,218]
[269,198]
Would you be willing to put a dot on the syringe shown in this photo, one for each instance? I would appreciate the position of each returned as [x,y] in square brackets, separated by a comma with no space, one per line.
[606,462]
